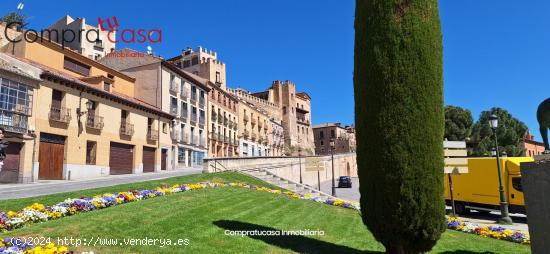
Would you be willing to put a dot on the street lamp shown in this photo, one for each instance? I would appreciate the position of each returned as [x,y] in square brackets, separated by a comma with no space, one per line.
[300,162]
[332,159]
[504,217]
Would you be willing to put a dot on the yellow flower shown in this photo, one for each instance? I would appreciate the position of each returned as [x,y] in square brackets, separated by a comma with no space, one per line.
[11,214]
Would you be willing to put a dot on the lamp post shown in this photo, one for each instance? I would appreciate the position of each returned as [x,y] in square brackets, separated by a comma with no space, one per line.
[332,160]
[504,217]
[300,162]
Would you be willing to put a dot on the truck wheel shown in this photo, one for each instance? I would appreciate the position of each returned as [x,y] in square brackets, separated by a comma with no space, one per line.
[460,208]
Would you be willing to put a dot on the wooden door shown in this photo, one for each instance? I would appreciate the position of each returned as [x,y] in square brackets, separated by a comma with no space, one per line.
[163,159]
[148,159]
[121,157]
[51,156]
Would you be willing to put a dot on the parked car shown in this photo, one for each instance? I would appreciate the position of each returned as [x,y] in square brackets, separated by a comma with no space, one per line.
[344,182]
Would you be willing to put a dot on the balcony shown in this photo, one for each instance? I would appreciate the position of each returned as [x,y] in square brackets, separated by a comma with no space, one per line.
[235,142]
[174,135]
[253,136]
[184,94]
[60,114]
[226,140]
[152,134]
[193,119]
[184,138]
[193,99]
[213,136]
[302,121]
[201,102]
[260,124]
[184,114]
[94,122]
[246,133]
[23,109]
[220,137]
[173,110]
[196,141]
[213,116]
[220,120]
[253,121]
[13,122]
[173,87]
[225,121]
[235,126]
[201,122]
[126,129]
[245,119]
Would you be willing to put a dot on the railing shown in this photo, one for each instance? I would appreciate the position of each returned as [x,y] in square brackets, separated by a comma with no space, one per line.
[220,120]
[235,126]
[253,136]
[184,94]
[60,114]
[245,118]
[220,137]
[225,121]
[213,136]
[94,122]
[174,135]
[126,129]
[23,109]
[184,114]
[226,140]
[201,121]
[213,116]
[174,111]
[184,138]
[246,133]
[201,102]
[152,134]
[193,119]
[196,140]
[173,87]
[13,122]
[193,98]
[260,124]
[235,142]
[253,121]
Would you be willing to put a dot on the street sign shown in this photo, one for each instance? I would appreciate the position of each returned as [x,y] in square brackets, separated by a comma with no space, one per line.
[315,164]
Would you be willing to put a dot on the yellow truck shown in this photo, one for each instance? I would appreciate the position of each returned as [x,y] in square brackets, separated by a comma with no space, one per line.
[479,190]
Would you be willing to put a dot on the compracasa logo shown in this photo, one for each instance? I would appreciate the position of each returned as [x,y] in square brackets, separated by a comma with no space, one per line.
[114,33]
[128,35]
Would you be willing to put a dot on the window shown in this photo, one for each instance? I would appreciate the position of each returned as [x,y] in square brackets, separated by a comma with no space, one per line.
[75,66]
[15,97]
[107,86]
[218,78]
[91,148]
[332,134]
[181,155]
[245,148]
[516,183]
[322,143]
[193,92]
[164,128]
[173,105]
[194,60]
[284,110]
[321,135]
[183,109]
[186,63]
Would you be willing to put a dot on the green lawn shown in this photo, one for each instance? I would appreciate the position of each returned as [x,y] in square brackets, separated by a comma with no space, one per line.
[202,216]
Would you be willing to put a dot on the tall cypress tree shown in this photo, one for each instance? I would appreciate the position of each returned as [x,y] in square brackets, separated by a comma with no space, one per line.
[399,116]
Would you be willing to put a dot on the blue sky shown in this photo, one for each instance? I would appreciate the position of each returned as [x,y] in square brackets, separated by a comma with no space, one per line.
[496,53]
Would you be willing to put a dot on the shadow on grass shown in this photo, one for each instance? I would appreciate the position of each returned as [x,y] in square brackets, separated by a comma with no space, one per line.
[296,243]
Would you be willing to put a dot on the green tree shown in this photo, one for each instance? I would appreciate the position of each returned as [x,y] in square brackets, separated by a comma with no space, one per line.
[510,134]
[398,82]
[458,123]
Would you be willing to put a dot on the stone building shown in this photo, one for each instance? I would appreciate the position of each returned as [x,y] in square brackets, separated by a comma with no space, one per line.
[179,93]
[294,110]
[276,138]
[90,41]
[531,146]
[223,106]
[344,138]
[254,129]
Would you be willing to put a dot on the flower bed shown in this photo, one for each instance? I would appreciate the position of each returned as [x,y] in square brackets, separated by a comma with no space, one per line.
[19,246]
[38,213]
[488,231]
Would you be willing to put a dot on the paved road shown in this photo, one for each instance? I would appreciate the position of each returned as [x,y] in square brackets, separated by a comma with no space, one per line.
[520,220]
[11,191]
[351,194]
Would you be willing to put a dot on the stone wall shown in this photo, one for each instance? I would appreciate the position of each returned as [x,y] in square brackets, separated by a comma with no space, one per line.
[287,167]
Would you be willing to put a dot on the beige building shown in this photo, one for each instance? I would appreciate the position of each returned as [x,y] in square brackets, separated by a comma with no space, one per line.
[177,92]
[90,41]
[254,128]
[223,138]
[276,138]
[84,119]
[343,137]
